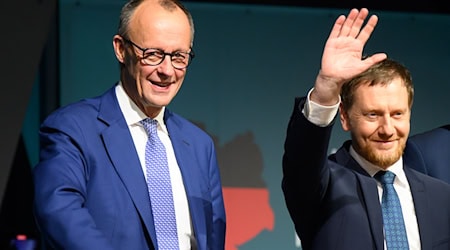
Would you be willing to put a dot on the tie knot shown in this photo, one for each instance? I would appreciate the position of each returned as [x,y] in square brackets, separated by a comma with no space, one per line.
[385,177]
[150,125]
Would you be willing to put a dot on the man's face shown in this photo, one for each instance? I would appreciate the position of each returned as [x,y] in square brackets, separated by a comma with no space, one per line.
[379,122]
[152,87]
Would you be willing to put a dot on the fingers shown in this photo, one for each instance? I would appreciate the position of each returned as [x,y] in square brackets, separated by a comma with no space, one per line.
[358,22]
[350,26]
[336,30]
[375,58]
[365,33]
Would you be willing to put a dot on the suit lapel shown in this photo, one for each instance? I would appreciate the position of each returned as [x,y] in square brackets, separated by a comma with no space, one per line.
[369,193]
[190,172]
[120,148]
[421,206]
[373,208]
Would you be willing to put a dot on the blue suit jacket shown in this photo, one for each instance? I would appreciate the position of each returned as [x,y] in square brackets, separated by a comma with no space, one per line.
[90,191]
[429,152]
[334,203]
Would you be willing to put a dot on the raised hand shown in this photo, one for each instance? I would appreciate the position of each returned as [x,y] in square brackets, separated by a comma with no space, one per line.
[342,55]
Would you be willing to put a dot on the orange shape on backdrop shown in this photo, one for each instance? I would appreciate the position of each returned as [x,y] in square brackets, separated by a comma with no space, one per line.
[248,213]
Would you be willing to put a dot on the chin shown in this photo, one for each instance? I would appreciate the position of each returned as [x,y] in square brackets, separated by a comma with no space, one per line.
[382,158]
[386,160]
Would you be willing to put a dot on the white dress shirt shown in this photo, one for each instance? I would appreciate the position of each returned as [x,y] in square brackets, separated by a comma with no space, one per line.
[323,116]
[133,115]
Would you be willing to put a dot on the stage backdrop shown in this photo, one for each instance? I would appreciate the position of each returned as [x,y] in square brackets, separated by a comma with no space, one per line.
[251,61]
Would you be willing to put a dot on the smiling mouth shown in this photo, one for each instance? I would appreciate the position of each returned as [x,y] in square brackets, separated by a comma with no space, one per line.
[160,84]
[385,145]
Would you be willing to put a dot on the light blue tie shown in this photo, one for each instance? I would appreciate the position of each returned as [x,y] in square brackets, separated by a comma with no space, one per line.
[160,188]
[394,225]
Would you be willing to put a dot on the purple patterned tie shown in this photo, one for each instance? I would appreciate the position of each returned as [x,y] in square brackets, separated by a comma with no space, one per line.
[160,188]
[394,226]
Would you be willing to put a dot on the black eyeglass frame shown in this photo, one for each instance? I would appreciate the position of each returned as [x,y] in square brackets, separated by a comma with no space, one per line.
[191,54]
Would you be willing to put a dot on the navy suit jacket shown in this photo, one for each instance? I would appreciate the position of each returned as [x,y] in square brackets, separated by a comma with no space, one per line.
[429,152]
[90,191]
[334,203]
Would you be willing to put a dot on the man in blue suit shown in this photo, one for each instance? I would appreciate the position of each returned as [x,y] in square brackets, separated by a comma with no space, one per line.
[91,190]
[335,201]
[429,152]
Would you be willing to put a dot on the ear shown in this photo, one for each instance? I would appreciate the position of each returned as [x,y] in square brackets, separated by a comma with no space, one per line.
[345,121]
[119,48]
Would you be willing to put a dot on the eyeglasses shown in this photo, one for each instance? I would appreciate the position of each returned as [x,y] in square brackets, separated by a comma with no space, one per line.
[153,57]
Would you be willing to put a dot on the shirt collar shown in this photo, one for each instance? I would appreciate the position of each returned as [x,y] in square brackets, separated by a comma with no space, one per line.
[371,169]
[131,112]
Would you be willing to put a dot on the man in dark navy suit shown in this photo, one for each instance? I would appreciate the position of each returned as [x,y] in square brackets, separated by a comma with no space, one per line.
[429,152]
[335,201]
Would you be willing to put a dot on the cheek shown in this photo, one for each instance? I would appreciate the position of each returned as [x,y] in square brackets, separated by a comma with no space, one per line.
[129,60]
[133,69]
[363,129]
[144,73]
[180,74]
[179,79]
[403,129]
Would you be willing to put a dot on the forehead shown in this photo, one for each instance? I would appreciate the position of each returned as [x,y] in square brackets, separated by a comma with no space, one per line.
[153,26]
[393,95]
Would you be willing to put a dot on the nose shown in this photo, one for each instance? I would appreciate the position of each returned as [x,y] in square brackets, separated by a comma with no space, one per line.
[386,128]
[166,67]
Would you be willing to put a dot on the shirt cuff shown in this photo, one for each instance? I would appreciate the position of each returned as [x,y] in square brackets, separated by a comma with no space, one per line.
[318,114]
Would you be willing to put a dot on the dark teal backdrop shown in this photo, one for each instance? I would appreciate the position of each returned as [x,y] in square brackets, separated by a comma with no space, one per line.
[251,61]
